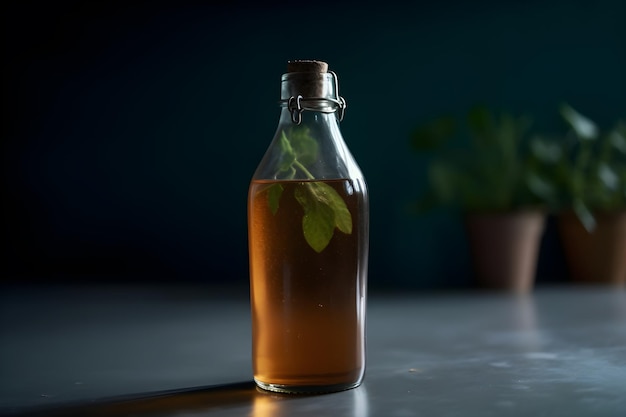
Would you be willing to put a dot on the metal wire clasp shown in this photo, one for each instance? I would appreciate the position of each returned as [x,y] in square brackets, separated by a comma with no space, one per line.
[296,111]
[341,102]
[297,104]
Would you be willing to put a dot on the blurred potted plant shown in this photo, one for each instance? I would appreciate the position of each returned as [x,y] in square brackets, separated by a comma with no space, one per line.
[589,178]
[485,175]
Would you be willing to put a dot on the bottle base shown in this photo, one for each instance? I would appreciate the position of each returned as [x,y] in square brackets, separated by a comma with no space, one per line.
[305,389]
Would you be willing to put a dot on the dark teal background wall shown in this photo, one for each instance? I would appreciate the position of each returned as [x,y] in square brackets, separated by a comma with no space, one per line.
[131,130]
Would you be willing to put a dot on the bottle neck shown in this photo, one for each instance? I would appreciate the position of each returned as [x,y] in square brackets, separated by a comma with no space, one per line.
[308,85]
[308,144]
[305,91]
[315,120]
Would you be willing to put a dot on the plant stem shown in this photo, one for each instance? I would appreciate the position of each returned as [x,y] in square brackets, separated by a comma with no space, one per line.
[303,168]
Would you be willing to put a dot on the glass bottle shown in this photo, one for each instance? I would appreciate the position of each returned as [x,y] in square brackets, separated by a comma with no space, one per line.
[308,235]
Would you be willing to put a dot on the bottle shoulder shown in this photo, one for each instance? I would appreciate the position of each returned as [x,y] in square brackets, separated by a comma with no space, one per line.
[314,149]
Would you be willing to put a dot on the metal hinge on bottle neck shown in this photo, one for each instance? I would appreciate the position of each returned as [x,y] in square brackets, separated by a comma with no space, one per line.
[297,104]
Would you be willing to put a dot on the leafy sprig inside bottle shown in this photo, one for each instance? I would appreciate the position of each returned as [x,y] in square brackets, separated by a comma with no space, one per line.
[324,208]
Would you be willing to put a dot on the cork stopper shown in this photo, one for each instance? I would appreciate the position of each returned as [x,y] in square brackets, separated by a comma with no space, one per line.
[305,65]
[307,78]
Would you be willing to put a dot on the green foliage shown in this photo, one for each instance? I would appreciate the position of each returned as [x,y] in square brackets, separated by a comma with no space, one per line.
[586,168]
[324,209]
[499,166]
[274,192]
[303,144]
[297,151]
[482,164]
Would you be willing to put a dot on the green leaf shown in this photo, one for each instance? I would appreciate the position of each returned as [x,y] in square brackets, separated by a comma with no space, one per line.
[607,176]
[545,151]
[327,195]
[296,153]
[318,222]
[584,215]
[318,227]
[287,156]
[617,138]
[304,198]
[541,187]
[285,144]
[582,126]
[324,209]
[274,192]
[304,146]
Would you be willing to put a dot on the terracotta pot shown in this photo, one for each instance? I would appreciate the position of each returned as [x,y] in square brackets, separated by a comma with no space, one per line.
[505,248]
[598,257]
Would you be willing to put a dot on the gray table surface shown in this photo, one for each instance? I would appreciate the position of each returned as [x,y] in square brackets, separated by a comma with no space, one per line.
[185,351]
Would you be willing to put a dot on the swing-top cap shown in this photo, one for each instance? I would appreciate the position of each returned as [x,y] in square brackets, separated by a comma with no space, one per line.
[308,85]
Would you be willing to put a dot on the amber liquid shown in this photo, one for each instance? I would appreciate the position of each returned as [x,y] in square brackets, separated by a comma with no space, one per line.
[307,307]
